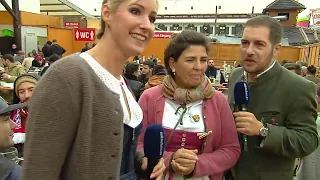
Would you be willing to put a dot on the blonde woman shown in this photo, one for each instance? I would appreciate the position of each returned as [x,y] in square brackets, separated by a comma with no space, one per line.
[84,122]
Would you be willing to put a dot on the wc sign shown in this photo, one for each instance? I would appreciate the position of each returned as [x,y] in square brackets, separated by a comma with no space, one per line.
[84,34]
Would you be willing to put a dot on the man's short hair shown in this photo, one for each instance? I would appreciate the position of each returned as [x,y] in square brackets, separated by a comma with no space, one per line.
[311,69]
[148,63]
[8,57]
[54,41]
[276,29]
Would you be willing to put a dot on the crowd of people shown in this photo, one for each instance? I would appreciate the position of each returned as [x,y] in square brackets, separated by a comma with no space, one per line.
[88,114]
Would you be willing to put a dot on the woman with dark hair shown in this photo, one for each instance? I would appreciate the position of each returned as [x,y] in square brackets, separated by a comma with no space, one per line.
[84,122]
[131,74]
[201,137]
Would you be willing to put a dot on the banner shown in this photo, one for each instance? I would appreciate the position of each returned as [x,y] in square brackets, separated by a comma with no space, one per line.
[162,35]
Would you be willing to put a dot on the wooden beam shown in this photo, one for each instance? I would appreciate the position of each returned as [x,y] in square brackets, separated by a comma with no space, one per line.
[17,24]
[61,10]
[7,7]
[55,4]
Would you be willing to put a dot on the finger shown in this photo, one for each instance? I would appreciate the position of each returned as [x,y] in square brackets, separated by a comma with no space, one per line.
[185,162]
[175,167]
[241,124]
[242,119]
[242,130]
[158,174]
[187,156]
[159,165]
[144,163]
[195,151]
[242,114]
[181,168]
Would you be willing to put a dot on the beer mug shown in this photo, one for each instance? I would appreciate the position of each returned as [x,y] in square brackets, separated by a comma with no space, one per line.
[212,79]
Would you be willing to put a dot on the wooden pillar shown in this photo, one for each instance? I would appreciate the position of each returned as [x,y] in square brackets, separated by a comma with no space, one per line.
[15,13]
[17,24]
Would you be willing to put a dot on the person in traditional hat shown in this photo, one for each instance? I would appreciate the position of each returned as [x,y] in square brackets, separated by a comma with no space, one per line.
[9,170]
[23,89]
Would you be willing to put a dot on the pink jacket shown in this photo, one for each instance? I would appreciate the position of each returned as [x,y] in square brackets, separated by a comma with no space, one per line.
[221,149]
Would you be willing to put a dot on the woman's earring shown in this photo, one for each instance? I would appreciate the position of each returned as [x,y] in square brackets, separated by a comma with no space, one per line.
[174,72]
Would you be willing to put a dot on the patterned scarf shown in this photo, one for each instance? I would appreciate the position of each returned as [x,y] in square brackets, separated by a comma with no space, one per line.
[186,96]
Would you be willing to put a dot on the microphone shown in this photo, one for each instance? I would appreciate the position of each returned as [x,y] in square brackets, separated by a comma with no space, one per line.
[241,100]
[154,144]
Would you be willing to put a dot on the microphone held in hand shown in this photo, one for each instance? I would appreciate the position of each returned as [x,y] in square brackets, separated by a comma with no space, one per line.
[154,144]
[241,100]
[241,95]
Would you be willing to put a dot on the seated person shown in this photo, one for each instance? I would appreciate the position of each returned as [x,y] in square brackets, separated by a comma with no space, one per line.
[296,68]
[8,169]
[12,69]
[212,71]
[23,89]
[53,58]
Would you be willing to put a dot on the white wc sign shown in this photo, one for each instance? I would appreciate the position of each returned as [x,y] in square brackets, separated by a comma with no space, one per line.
[84,34]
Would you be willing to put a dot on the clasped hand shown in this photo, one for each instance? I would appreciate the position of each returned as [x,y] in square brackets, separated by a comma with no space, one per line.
[247,123]
[184,161]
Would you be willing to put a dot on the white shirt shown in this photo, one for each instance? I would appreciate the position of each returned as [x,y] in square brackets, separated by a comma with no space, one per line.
[258,75]
[114,85]
[170,119]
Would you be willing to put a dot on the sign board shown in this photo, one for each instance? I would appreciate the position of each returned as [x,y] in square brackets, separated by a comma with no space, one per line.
[315,13]
[162,35]
[71,25]
[84,34]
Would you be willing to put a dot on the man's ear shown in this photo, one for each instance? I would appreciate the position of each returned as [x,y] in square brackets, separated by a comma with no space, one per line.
[276,49]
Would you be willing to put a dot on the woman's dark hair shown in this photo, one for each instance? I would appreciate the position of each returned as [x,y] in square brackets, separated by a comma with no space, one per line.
[182,42]
[311,69]
[131,68]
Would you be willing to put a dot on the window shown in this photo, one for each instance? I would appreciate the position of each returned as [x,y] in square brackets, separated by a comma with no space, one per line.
[284,14]
[176,27]
[191,27]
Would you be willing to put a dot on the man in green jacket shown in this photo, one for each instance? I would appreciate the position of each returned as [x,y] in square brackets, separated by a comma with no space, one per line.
[12,69]
[280,118]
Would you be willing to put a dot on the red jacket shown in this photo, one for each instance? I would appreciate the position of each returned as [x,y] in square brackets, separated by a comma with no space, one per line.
[222,148]
[19,116]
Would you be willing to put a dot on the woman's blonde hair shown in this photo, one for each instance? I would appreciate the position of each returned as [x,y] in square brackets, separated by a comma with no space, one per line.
[113,5]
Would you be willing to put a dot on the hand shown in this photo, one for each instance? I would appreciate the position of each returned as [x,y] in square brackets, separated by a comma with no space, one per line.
[184,161]
[247,123]
[158,170]
[5,76]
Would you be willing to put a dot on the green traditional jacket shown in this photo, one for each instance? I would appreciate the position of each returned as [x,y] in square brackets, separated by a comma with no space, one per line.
[286,103]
